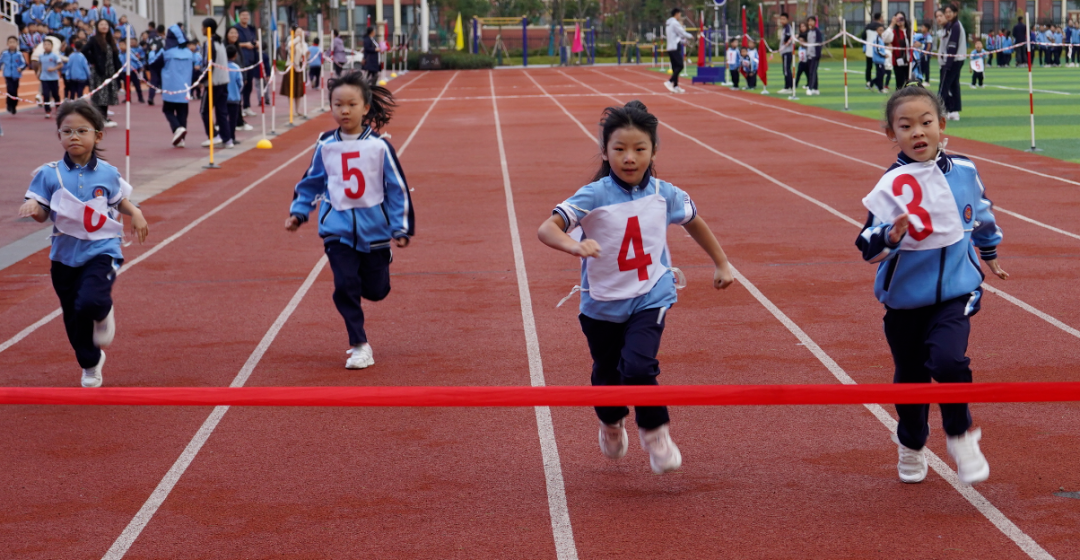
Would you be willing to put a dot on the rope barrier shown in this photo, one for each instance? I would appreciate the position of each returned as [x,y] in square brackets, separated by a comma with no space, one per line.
[671,395]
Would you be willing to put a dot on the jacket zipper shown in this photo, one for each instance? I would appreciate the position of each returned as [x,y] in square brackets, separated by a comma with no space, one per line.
[890,270]
[941,274]
[354,236]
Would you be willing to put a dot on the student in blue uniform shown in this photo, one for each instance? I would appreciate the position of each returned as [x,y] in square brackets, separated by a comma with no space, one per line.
[627,286]
[78,72]
[928,274]
[234,101]
[84,196]
[365,206]
[50,78]
[136,66]
[176,61]
[13,62]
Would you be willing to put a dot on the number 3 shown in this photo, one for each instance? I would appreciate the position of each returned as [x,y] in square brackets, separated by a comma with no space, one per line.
[641,260]
[913,206]
[349,172]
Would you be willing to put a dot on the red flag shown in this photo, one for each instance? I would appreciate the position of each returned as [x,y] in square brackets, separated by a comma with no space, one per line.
[745,39]
[763,55]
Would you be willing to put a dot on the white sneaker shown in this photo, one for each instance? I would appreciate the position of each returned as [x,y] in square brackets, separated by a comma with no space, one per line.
[912,466]
[679,90]
[111,124]
[229,145]
[109,111]
[179,144]
[972,86]
[105,330]
[249,112]
[971,465]
[954,116]
[247,127]
[669,87]
[784,91]
[360,357]
[178,136]
[613,440]
[92,377]
[206,143]
[664,456]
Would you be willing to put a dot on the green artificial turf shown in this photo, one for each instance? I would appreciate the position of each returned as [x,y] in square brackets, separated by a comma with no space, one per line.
[997,114]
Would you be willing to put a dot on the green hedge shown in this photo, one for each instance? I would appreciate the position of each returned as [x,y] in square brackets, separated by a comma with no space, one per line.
[455,60]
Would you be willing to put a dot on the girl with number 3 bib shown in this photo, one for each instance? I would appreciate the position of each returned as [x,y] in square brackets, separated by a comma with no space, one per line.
[84,196]
[627,286]
[928,214]
[365,203]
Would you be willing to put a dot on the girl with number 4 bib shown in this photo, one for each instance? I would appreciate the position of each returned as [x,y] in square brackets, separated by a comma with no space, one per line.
[627,286]
[928,214]
[84,196]
[365,203]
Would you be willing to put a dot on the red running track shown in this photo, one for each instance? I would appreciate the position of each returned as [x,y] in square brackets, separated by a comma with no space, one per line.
[777,482]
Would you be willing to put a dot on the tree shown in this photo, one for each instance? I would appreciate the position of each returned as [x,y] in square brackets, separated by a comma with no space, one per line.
[531,9]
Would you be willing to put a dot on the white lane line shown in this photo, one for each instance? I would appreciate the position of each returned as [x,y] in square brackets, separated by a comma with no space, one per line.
[1012,299]
[876,166]
[1037,90]
[976,499]
[560,95]
[161,492]
[563,533]
[426,113]
[168,240]
[878,132]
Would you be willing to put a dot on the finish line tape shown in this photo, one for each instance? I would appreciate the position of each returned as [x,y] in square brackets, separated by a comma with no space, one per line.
[671,395]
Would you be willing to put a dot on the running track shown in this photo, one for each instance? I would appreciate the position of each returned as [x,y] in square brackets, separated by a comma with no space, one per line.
[237,299]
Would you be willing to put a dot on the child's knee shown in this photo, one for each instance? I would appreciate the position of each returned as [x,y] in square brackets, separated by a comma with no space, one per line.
[377,293]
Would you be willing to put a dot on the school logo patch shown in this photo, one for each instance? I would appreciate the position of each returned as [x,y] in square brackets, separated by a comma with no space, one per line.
[99,192]
[967,214]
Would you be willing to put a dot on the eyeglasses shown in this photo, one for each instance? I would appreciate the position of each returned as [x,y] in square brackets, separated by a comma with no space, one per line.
[82,131]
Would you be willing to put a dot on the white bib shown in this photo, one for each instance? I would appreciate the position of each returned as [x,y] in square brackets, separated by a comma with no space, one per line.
[354,171]
[88,221]
[632,238]
[976,65]
[921,191]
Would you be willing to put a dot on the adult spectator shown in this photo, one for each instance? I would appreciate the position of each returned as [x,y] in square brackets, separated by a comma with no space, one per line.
[955,41]
[103,56]
[676,34]
[869,35]
[1020,37]
[337,53]
[249,55]
[897,36]
[815,41]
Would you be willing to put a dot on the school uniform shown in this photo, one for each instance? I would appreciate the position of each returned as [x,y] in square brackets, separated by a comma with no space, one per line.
[315,65]
[13,63]
[916,65]
[955,45]
[930,282]
[748,68]
[37,14]
[136,66]
[78,74]
[54,20]
[234,102]
[800,70]
[786,52]
[624,300]
[978,66]
[220,90]
[356,225]
[733,66]
[813,57]
[675,34]
[50,80]
[109,14]
[178,64]
[1006,55]
[86,255]
[878,55]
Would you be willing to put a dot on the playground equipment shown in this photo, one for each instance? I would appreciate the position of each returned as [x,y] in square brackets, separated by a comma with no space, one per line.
[499,50]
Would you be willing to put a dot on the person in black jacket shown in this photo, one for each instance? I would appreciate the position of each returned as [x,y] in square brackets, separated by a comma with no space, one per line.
[955,51]
[104,59]
[1020,36]
[371,57]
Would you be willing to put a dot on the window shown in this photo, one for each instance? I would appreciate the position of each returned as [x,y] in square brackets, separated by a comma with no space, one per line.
[854,13]
[1006,13]
[1031,11]
[1057,10]
[895,7]
[918,15]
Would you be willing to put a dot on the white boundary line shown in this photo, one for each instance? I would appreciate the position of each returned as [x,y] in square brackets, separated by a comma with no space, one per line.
[873,131]
[565,548]
[835,153]
[426,113]
[127,538]
[1038,90]
[994,515]
[56,312]
[1012,299]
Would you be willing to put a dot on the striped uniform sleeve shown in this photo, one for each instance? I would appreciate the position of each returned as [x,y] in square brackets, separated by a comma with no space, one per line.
[681,208]
[398,202]
[311,186]
[123,190]
[43,185]
[986,234]
[873,241]
[576,207]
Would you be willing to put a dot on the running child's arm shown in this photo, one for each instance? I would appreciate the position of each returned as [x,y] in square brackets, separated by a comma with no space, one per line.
[307,191]
[987,235]
[397,204]
[138,221]
[31,209]
[551,234]
[38,194]
[878,240]
[703,236]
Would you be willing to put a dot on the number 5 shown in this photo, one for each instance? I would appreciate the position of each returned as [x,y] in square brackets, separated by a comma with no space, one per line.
[913,206]
[350,172]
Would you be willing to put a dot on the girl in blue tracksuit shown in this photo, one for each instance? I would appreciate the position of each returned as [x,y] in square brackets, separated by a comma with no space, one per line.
[176,63]
[365,206]
[928,274]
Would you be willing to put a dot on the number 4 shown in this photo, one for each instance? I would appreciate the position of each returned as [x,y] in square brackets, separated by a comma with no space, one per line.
[350,172]
[641,260]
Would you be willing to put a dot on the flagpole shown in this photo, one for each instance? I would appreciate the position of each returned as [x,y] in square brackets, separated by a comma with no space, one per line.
[843,26]
[794,62]
[762,53]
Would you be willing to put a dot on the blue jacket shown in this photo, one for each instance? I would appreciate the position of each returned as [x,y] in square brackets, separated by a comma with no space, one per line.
[879,52]
[13,63]
[913,279]
[77,67]
[179,63]
[37,13]
[236,83]
[55,20]
[363,229]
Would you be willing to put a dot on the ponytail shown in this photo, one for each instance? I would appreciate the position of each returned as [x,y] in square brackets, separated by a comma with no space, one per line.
[380,101]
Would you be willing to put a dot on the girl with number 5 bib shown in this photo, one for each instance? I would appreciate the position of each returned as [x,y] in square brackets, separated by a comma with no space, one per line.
[928,214]
[365,203]
[627,286]
[84,196]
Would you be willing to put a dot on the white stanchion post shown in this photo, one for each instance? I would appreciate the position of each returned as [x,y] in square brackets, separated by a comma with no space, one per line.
[262,84]
[273,83]
[127,109]
[843,28]
[1031,86]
